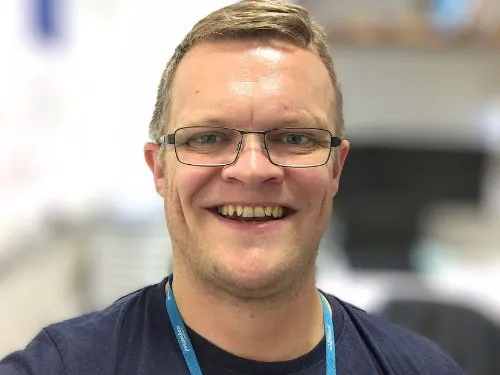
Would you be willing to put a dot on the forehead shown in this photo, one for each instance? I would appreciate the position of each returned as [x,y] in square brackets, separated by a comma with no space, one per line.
[251,84]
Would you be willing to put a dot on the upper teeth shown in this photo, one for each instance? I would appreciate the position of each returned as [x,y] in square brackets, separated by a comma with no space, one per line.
[251,211]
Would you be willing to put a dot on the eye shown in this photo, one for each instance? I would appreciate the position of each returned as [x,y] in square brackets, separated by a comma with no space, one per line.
[296,139]
[206,138]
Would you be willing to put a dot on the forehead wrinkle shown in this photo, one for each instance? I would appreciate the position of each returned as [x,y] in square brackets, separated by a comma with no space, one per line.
[245,89]
[252,107]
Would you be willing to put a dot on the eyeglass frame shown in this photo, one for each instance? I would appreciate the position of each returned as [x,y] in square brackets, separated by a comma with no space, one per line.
[169,139]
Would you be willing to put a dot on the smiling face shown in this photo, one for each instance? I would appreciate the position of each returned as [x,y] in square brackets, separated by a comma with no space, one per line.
[248,85]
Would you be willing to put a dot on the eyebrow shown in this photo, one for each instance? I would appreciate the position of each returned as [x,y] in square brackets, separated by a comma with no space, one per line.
[301,121]
[208,121]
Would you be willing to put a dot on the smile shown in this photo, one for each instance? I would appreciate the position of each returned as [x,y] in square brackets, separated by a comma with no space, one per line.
[252,213]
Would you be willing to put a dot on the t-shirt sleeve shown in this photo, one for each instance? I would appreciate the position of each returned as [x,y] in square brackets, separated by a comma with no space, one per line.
[40,357]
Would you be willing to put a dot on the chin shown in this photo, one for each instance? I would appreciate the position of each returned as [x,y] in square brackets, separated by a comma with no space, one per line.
[253,282]
[255,271]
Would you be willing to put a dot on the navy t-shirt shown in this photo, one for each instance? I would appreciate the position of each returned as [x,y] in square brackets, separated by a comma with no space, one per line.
[134,337]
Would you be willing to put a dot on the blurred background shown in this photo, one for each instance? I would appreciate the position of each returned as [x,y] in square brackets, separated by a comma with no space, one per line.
[416,229]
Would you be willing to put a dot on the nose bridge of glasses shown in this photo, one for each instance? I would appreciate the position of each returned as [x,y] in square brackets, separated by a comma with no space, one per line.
[258,136]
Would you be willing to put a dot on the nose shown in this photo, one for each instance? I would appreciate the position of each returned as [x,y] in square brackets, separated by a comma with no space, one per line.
[252,166]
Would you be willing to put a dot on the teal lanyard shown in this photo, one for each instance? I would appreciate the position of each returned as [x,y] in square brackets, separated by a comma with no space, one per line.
[190,356]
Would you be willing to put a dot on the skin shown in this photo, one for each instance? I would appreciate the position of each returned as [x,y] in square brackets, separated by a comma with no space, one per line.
[247,278]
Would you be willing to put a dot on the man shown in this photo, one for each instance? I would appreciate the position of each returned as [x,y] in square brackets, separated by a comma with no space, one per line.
[249,144]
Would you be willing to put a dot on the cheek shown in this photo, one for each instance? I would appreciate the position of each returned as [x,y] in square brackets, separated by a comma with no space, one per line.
[316,187]
[184,184]
[316,183]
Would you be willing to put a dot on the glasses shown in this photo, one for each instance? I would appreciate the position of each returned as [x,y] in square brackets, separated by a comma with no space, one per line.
[219,146]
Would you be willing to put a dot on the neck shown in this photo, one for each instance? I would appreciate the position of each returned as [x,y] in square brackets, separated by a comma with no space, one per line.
[259,329]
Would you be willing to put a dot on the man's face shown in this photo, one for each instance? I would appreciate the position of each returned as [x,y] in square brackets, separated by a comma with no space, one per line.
[248,86]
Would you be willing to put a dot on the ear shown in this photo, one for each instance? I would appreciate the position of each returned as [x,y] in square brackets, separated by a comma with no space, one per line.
[339,160]
[342,154]
[152,157]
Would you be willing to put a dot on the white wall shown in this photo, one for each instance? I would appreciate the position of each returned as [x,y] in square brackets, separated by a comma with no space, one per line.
[422,94]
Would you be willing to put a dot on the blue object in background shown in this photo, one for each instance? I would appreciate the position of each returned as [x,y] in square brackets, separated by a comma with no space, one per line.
[450,16]
[47,18]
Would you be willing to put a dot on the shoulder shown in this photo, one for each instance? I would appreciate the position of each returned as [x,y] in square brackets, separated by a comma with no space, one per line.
[84,344]
[395,347]
[96,328]
[40,356]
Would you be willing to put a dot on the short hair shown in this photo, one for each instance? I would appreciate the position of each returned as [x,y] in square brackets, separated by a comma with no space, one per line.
[248,20]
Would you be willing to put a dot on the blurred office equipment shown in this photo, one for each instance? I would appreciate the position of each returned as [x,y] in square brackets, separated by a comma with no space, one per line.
[385,189]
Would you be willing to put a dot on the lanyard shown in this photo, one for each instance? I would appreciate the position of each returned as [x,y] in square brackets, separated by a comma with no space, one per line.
[190,356]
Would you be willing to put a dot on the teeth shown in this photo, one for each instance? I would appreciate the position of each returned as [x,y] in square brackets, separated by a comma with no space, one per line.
[259,211]
[276,211]
[251,211]
[247,211]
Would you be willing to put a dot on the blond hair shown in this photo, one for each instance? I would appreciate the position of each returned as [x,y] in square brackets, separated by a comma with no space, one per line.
[248,19]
